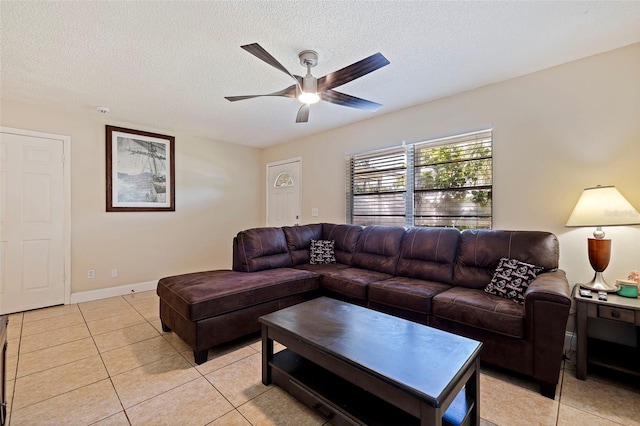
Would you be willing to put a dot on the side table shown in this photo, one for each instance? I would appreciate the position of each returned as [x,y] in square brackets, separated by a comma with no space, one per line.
[616,310]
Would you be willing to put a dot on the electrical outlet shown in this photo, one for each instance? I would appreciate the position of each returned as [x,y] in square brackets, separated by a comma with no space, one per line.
[314,211]
[91,273]
[114,273]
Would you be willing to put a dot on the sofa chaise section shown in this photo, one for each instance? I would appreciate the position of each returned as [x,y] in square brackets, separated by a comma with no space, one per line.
[209,308]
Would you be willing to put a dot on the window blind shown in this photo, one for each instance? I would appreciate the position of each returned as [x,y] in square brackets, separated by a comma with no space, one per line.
[453,181]
[377,187]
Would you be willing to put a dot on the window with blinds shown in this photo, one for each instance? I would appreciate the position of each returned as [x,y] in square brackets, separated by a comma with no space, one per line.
[453,181]
[377,183]
[441,182]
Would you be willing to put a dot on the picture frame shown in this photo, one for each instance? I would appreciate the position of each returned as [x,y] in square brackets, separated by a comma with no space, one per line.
[140,171]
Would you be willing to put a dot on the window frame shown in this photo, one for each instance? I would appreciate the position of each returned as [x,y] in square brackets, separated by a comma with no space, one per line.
[473,194]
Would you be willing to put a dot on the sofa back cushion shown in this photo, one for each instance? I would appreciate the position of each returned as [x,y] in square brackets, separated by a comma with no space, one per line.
[378,248]
[429,254]
[346,238]
[260,248]
[298,241]
[481,249]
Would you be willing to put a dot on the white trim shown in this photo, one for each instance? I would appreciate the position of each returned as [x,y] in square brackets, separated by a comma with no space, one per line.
[281,162]
[66,188]
[268,186]
[103,293]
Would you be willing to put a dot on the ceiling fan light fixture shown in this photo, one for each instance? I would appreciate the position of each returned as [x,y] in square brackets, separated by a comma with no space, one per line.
[309,89]
[308,97]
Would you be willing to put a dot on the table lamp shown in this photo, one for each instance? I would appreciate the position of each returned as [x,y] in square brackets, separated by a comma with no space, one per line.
[601,206]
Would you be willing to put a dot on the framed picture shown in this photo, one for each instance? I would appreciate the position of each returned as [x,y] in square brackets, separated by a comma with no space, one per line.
[140,171]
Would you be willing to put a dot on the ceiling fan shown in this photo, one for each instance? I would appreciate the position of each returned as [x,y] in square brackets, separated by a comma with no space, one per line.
[309,89]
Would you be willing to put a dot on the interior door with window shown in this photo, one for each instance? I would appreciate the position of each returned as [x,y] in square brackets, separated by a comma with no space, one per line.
[283,193]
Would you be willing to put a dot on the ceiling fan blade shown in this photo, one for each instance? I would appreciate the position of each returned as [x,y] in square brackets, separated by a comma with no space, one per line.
[353,71]
[289,92]
[303,114]
[343,99]
[258,51]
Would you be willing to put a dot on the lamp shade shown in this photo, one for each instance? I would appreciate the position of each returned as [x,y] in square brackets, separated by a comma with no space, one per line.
[603,206]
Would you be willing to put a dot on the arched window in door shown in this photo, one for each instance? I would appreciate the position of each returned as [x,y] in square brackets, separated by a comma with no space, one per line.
[283,180]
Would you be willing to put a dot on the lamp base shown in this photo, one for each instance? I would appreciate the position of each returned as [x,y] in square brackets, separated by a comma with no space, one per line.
[598,283]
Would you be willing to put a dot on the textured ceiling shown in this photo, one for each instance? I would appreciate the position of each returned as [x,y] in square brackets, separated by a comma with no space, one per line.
[168,65]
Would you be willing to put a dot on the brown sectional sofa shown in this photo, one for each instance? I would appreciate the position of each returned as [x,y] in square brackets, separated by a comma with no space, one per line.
[435,276]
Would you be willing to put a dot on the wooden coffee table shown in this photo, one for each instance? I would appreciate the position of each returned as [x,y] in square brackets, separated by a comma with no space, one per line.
[356,366]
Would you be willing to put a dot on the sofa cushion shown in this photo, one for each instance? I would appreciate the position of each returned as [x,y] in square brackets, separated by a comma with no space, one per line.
[378,248]
[322,251]
[481,249]
[406,293]
[205,294]
[350,282]
[429,254]
[298,240]
[512,278]
[479,309]
[346,238]
[261,248]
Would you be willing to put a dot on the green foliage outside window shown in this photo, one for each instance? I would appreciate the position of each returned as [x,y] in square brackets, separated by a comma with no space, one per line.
[455,166]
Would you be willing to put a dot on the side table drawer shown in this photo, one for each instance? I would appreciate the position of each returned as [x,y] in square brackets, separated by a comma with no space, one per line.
[616,314]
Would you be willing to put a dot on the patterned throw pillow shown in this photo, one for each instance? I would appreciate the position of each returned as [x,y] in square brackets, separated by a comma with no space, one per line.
[512,278]
[322,251]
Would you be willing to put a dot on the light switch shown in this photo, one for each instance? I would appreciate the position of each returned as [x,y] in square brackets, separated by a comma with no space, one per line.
[314,211]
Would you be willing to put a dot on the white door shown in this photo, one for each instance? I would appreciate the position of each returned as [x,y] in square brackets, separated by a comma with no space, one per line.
[283,193]
[32,221]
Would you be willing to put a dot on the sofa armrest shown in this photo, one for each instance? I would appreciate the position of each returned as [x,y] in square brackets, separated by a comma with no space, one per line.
[549,286]
[547,303]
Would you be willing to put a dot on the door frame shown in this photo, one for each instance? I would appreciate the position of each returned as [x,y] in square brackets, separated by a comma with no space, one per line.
[268,184]
[66,201]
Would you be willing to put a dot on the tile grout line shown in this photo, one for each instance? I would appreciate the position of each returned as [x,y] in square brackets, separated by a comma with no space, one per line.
[566,371]
[71,390]
[234,408]
[56,366]
[201,375]
[105,369]
[15,378]
[56,345]
[124,410]
[182,354]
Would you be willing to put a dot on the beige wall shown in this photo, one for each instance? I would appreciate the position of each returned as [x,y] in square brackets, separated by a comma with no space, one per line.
[217,195]
[555,132]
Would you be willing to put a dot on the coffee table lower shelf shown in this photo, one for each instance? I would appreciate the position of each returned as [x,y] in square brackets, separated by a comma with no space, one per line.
[345,403]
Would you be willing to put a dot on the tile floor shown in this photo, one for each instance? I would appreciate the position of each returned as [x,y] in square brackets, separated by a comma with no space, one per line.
[107,362]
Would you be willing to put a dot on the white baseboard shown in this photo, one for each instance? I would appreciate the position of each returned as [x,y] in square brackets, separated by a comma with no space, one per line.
[103,293]
[570,341]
